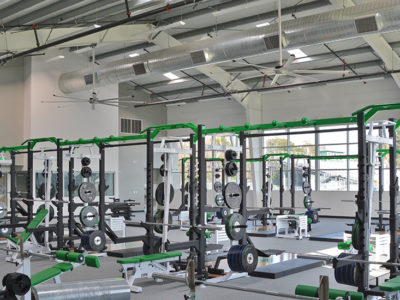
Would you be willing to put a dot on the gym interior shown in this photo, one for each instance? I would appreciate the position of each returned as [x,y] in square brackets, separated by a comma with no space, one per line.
[199,149]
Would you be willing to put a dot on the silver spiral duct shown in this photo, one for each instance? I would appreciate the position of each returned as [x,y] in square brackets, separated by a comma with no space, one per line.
[115,289]
[369,18]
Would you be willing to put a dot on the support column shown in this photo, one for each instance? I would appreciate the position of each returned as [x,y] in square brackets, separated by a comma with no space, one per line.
[149,191]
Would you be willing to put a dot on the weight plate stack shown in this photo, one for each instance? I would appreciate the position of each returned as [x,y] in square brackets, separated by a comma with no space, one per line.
[230,155]
[42,191]
[219,200]
[347,274]
[242,258]
[86,172]
[51,209]
[2,191]
[89,216]
[231,169]
[4,231]
[232,195]
[218,187]
[307,202]
[160,194]
[93,240]
[87,192]
[3,210]
[159,218]
[223,213]
[235,226]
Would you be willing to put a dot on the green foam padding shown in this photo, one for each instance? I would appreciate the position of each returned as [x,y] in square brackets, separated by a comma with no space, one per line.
[92,261]
[150,257]
[36,221]
[75,257]
[62,255]
[391,285]
[44,275]
[344,245]
[312,291]
[64,267]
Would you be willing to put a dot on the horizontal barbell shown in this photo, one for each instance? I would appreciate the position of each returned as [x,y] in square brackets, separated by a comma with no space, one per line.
[208,227]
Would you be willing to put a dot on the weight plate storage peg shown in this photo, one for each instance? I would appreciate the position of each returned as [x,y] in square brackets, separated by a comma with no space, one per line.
[3,210]
[93,240]
[2,190]
[230,155]
[160,194]
[307,202]
[218,187]
[85,161]
[232,195]
[42,191]
[89,216]
[87,192]
[51,209]
[86,172]
[242,258]
[219,200]
[235,226]
[306,188]
[231,169]
[159,218]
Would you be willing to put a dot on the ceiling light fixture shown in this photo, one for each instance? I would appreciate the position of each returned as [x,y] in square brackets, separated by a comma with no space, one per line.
[182,23]
[263,24]
[171,76]
[97,26]
[133,54]
[298,53]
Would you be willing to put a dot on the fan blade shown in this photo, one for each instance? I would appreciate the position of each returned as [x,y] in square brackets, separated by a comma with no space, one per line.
[117,98]
[259,67]
[115,105]
[308,78]
[289,61]
[321,72]
[122,101]
[65,97]
[276,77]
[65,101]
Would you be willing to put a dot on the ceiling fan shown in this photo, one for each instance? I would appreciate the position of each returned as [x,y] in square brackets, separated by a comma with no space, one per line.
[286,69]
[93,99]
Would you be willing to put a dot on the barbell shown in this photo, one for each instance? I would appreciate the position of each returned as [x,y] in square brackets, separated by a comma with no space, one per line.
[208,227]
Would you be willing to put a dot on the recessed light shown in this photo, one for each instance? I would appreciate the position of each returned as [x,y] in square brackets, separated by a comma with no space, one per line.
[171,76]
[298,53]
[182,23]
[96,25]
[263,24]
[133,54]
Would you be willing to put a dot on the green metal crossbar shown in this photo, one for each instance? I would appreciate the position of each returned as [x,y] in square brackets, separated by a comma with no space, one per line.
[33,142]
[386,152]
[370,110]
[106,140]
[156,129]
[282,155]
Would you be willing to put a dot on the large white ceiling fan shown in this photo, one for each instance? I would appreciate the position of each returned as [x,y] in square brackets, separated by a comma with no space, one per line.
[93,99]
[287,69]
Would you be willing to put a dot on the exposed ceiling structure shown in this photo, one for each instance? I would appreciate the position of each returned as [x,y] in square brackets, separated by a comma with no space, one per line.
[192,22]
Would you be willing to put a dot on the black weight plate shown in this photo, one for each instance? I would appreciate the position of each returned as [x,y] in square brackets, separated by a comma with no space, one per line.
[223,213]
[159,218]
[162,171]
[231,169]
[2,191]
[232,195]
[16,283]
[231,226]
[51,209]
[85,161]
[86,172]
[217,175]
[42,191]
[39,236]
[93,240]
[218,187]
[4,231]
[219,200]
[187,187]
[315,217]
[156,244]
[242,258]
[3,210]
[89,216]
[307,202]
[87,192]
[230,155]
[306,188]
[160,194]
[163,157]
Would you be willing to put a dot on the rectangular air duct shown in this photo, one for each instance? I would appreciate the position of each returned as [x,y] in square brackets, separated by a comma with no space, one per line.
[198,57]
[139,69]
[366,24]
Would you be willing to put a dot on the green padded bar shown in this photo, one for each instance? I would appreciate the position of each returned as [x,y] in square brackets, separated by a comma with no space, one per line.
[391,285]
[64,267]
[312,291]
[150,257]
[62,255]
[92,261]
[33,224]
[75,257]
[44,275]
[344,245]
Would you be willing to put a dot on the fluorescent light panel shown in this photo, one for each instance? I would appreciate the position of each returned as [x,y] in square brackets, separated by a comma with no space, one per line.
[297,52]
[171,76]
[262,24]
[133,54]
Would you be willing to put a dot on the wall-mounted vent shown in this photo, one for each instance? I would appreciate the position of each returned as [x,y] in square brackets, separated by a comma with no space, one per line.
[88,79]
[272,42]
[139,69]
[130,126]
[366,24]
[198,57]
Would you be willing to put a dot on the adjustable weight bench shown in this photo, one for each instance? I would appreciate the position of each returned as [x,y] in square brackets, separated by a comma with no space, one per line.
[144,266]
[28,239]
[391,288]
